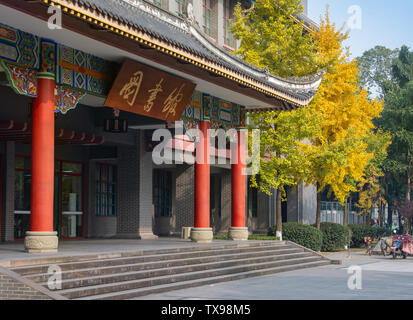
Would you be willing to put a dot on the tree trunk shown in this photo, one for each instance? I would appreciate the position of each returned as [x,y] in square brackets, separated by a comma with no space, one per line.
[279,219]
[345,217]
[390,216]
[406,220]
[318,213]
[380,213]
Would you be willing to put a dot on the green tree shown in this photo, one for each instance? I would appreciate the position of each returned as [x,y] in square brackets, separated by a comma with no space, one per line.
[371,191]
[376,69]
[340,154]
[284,151]
[397,118]
[271,37]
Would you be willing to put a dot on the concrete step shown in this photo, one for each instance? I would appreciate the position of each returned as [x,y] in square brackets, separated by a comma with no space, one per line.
[194,276]
[150,256]
[130,276]
[124,254]
[107,270]
[136,293]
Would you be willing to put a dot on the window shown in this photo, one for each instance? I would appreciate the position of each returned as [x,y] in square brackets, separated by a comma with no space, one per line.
[162,193]
[215,197]
[180,6]
[106,183]
[253,198]
[69,198]
[254,202]
[227,25]
[207,16]
[158,3]
[22,189]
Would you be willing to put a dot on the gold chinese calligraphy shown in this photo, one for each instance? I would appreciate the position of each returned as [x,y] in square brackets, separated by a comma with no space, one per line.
[147,91]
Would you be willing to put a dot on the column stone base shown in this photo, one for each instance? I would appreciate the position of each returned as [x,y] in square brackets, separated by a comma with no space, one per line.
[147,236]
[238,233]
[201,235]
[41,242]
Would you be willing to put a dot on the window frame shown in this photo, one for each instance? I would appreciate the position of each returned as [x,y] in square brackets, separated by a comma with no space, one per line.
[162,193]
[98,193]
[227,24]
[207,16]
[180,6]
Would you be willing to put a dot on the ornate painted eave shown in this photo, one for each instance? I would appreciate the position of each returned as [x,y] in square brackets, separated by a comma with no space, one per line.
[160,30]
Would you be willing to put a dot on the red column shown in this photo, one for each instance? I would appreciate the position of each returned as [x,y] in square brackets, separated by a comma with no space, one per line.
[42,186]
[238,183]
[202,178]
[238,229]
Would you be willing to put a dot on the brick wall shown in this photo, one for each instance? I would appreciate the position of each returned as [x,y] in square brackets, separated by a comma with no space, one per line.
[8,183]
[11,289]
[184,202]
[128,187]
[135,190]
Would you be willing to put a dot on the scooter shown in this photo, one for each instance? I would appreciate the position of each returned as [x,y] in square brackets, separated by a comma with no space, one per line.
[396,249]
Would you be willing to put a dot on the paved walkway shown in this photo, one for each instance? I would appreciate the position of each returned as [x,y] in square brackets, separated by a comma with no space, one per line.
[381,278]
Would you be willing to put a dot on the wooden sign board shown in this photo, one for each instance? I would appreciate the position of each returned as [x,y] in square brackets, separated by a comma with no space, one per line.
[141,89]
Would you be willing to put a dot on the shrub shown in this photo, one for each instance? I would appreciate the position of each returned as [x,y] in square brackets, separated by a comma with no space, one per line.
[262,237]
[335,236]
[250,237]
[358,232]
[382,232]
[306,236]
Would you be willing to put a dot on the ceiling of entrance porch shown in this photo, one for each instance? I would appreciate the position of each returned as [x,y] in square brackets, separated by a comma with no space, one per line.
[28,23]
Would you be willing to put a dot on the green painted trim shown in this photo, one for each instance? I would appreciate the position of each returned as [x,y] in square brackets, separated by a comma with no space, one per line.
[82,90]
[10,79]
[46,75]
[82,95]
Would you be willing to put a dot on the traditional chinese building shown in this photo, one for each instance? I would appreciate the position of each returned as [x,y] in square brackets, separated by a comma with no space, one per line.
[81,101]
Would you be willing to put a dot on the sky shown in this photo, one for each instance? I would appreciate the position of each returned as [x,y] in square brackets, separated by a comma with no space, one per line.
[383,22]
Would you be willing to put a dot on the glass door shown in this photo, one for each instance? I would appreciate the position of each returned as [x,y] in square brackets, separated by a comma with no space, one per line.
[56,203]
[22,186]
[71,200]
[68,198]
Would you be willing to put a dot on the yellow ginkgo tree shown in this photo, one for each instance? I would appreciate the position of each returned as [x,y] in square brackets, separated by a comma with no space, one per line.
[340,153]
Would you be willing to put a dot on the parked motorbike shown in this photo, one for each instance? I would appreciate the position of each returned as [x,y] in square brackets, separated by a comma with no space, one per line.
[396,248]
[401,246]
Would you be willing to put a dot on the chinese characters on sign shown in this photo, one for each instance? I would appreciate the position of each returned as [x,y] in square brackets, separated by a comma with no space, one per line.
[132,88]
[147,91]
